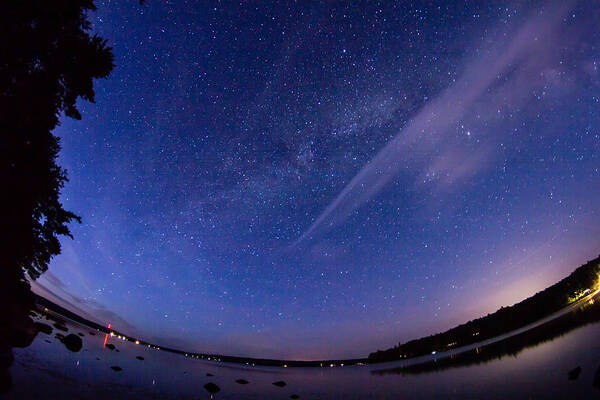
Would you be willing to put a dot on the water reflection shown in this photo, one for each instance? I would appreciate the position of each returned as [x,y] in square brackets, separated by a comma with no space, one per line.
[48,370]
[588,313]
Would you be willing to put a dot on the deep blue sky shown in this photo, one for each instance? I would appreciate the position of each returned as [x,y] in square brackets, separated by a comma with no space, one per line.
[306,181]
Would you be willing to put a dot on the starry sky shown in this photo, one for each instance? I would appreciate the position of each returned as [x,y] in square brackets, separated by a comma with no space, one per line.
[312,180]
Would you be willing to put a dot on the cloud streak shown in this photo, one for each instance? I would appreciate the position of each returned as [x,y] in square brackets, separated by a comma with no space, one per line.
[485,75]
[52,288]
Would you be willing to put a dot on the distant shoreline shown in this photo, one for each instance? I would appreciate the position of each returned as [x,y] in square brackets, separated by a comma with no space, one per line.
[45,303]
[582,279]
[571,318]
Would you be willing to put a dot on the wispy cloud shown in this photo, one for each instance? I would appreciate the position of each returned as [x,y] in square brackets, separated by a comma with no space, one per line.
[52,288]
[505,70]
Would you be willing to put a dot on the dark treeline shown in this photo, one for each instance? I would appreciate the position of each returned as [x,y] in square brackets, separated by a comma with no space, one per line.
[588,313]
[44,303]
[504,320]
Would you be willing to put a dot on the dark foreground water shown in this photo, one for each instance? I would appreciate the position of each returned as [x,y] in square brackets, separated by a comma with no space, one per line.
[48,370]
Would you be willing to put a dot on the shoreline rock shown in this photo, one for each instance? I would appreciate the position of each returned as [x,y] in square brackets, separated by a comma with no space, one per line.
[72,342]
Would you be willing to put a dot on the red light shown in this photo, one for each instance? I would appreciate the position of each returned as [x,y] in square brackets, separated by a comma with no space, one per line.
[106,337]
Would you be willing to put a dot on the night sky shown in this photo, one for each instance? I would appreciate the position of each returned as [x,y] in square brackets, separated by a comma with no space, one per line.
[309,180]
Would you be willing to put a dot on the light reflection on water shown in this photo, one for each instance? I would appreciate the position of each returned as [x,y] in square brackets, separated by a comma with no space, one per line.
[48,370]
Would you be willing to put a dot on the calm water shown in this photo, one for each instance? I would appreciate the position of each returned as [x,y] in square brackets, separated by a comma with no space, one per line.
[49,371]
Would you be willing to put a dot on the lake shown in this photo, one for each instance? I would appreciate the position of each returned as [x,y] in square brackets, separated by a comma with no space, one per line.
[47,370]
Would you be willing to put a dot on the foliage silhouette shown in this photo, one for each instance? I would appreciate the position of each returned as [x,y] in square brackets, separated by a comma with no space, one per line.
[49,60]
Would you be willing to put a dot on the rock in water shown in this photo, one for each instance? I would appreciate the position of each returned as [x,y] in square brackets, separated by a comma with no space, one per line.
[110,346]
[116,368]
[47,329]
[279,383]
[242,381]
[140,358]
[211,388]
[6,358]
[209,374]
[72,342]
[574,373]
[23,332]
[596,381]
[294,396]
[5,381]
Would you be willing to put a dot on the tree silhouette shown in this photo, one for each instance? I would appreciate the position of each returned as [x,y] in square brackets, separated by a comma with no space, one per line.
[48,60]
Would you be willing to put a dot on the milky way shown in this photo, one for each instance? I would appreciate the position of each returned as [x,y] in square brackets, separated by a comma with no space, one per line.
[310,181]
